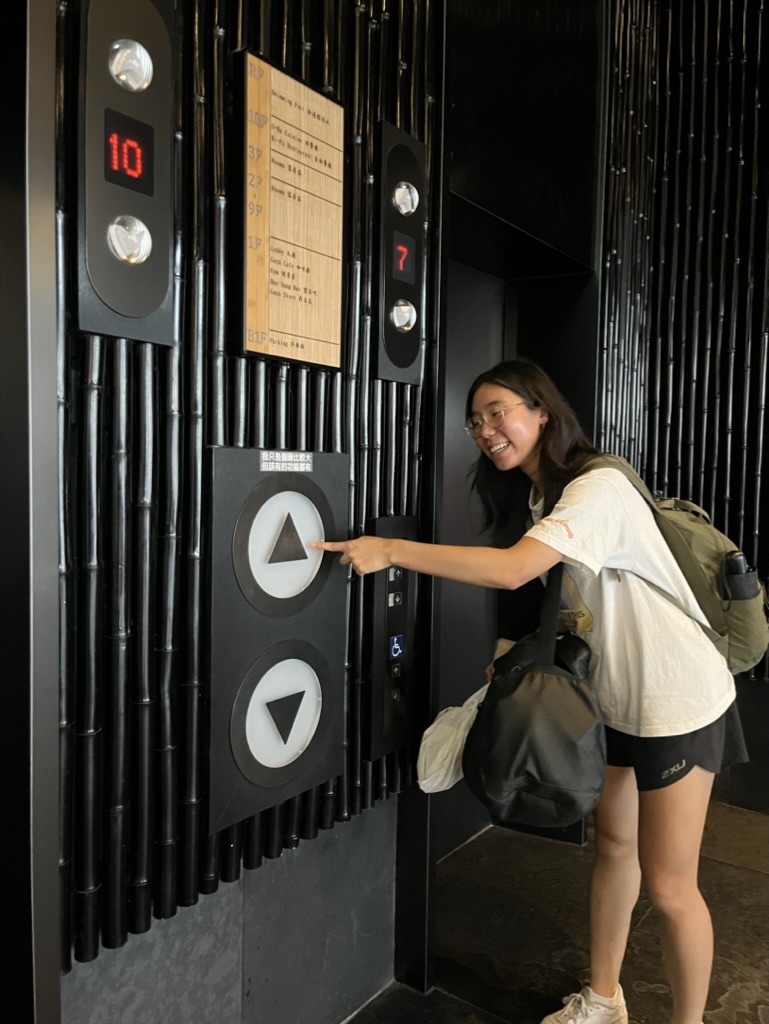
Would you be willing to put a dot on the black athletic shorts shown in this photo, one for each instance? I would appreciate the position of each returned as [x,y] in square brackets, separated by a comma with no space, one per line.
[659,761]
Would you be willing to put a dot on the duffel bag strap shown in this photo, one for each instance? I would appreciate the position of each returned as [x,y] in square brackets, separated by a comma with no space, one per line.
[549,617]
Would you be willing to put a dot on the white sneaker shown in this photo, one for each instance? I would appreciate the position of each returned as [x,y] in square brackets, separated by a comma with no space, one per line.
[586,1007]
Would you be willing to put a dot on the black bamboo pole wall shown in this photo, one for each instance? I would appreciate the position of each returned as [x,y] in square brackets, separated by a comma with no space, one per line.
[134,422]
[685,308]
[683,394]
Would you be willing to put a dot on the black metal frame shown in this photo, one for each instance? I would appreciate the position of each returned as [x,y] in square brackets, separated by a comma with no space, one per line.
[29,545]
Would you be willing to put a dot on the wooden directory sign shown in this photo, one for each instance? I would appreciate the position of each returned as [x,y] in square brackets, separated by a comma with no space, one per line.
[294,169]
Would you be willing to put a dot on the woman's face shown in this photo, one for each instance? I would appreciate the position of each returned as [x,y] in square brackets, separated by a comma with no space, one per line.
[514,442]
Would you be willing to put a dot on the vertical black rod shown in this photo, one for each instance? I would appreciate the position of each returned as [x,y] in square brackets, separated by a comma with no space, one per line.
[401,69]
[722,315]
[337,412]
[330,18]
[262,26]
[394,773]
[377,447]
[190,695]
[756,311]
[391,448]
[238,389]
[302,409]
[252,842]
[373,47]
[116,764]
[259,407]
[88,781]
[196,865]
[240,11]
[290,819]
[169,542]
[320,407]
[281,396]
[272,845]
[742,294]
[143,668]
[361,772]
[217,412]
[287,41]
[67,518]
[686,382]
[655,462]
[209,864]
[405,450]
[218,119]
[696,462]
[708,313]
[309,813]
[200,53]
[417,454]
[230,852]
[66,75]
[417,77]
[305,40]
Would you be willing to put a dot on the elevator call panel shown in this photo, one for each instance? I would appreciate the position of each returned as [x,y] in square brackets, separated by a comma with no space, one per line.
[402,212]
[391,601]
[277,627]
[126,170]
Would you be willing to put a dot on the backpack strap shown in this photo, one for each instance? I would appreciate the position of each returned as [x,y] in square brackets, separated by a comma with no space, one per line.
[705,595]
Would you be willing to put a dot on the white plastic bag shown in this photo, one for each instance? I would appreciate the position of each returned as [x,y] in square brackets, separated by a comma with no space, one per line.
[439,764]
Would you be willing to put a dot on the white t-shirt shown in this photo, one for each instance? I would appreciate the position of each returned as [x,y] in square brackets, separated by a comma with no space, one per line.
[654,670]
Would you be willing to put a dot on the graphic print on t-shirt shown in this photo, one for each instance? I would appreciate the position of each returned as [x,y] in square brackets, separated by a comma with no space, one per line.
[575,617]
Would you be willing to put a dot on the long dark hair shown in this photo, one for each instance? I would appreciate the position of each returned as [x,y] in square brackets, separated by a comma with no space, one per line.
[563,453]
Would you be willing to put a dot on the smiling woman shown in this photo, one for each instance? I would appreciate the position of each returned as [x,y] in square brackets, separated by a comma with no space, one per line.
[507,431]
[665,693]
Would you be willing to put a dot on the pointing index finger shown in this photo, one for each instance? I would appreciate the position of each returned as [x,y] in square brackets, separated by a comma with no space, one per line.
[328,545]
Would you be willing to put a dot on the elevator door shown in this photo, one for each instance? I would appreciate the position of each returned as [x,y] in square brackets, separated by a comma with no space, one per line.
[476,330]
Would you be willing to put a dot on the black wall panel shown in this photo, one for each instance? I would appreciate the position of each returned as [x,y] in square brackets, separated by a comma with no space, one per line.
[684,350]
[682,367]
[138,418]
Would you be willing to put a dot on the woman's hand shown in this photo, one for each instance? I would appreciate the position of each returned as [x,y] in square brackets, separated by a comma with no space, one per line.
[365,554]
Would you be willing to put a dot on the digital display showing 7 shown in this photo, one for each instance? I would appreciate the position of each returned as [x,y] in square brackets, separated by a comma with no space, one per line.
[403,264]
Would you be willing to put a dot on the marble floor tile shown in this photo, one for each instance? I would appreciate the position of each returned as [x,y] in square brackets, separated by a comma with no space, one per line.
[737,836]
[511,931]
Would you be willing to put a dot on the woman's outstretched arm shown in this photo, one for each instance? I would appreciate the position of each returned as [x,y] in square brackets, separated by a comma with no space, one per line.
[505,568]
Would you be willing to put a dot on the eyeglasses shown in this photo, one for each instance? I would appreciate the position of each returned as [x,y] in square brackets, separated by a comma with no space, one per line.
[494,419]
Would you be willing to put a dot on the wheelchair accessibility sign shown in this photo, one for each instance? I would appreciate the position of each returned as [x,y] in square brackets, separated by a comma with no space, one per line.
[397,647]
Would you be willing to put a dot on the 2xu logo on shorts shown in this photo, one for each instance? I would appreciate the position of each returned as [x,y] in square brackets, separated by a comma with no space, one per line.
[671,771]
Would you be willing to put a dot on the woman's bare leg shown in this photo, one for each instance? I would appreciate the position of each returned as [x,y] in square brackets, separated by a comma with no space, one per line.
[616,878]
[671,824]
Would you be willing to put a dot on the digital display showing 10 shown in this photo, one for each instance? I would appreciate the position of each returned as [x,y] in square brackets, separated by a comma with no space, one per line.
[128,152]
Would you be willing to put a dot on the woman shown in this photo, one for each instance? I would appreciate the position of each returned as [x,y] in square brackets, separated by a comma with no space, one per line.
[663,688]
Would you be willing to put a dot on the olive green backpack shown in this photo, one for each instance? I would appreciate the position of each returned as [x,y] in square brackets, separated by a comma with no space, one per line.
[728,591]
